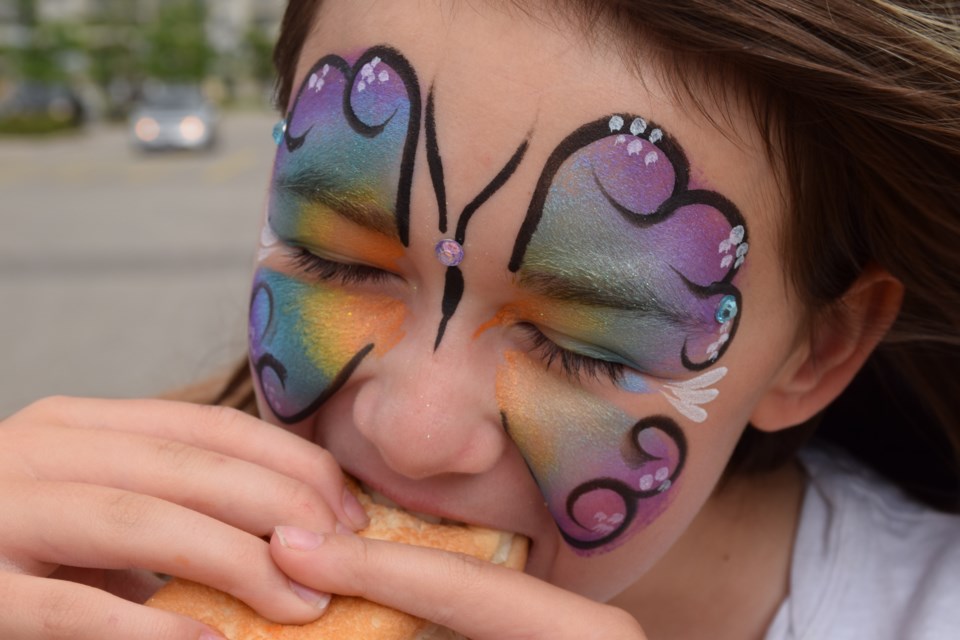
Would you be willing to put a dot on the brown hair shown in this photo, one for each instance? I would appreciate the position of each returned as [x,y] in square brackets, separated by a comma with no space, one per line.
[860,105]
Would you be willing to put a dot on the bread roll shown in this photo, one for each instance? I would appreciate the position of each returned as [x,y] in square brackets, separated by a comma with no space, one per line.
[349,618]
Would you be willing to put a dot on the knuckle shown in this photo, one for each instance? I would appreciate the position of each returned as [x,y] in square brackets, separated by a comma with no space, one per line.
[215,417]
[126,512]
[179,456]
[60,613]
[467,572]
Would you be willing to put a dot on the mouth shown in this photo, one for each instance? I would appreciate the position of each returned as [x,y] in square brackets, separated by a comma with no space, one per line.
[506,551]
[378,498]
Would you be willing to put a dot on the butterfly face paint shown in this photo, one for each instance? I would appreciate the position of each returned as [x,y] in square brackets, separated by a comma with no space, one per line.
[642,268]
[342,181]
[568,435]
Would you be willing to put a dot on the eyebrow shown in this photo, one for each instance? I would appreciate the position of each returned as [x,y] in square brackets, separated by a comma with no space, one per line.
[318,186]
[586,292]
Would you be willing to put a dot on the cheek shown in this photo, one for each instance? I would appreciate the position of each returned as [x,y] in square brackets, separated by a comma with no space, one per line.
[307,339]
[605,475]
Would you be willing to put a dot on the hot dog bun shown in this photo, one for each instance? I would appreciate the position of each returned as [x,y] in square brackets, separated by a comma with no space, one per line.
[349,618]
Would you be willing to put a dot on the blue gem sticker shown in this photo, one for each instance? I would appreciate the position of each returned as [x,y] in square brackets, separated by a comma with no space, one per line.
[727,309]
[279,131]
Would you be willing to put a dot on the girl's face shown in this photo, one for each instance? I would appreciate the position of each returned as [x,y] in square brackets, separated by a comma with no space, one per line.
[505,281]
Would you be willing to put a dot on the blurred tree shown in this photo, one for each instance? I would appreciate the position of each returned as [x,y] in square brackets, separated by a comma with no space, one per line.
[43,59]
[115,53]
[258,46]
[27,12]
[177,46]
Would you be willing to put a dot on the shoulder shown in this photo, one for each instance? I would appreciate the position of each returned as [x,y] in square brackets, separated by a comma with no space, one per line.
[868,561]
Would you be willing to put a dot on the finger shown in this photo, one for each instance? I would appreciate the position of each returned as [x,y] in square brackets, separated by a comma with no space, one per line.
[473,597]
[114,529]
[43,609]
[235,491]
[220,429]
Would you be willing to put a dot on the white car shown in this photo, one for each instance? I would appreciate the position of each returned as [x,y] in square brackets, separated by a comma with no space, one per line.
[173,117]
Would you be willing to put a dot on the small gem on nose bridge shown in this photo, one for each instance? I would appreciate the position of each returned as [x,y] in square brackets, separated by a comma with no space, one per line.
[449,252]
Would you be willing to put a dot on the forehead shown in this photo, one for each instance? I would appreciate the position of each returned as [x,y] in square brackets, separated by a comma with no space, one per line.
[501,76]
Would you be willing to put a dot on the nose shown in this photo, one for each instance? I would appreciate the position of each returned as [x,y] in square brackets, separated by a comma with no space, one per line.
[433,412]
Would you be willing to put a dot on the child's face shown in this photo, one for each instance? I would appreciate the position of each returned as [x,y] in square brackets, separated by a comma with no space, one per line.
[581,373]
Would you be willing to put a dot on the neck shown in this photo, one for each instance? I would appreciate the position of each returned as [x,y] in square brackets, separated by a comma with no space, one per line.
[729,572]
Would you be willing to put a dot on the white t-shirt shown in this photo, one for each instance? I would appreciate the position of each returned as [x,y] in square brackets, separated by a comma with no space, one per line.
[869,563]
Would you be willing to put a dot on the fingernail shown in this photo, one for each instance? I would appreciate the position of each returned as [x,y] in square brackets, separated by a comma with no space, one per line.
[298,539]
[316,599]
[354,511]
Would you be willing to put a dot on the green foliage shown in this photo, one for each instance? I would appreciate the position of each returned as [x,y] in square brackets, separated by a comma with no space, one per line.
[177,47]
[258,46]
[34,124]
[42,59]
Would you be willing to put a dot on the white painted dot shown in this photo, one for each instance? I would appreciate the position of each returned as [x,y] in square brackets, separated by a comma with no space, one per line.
[725,246]
[638,126]
[651,158]
[375,62]
[313,80]
[384,76]
[662,474]
[362,86]
[656,135]
[326,70]
[635,147]
[742,250]
[666,485]
[646,482]
[726,262]
[739,263]
[616,123]
[621,139]
[737,234]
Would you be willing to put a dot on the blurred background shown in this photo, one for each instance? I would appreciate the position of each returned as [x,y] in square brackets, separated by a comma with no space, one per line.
[135,147]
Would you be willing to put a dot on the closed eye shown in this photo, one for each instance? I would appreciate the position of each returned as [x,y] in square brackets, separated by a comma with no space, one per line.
[312,265]
[574,365]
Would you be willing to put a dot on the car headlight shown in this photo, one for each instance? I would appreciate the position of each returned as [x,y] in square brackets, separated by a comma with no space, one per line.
[147,129]
[192,129]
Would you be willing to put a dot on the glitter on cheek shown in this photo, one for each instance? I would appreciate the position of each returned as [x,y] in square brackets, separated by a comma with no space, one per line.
[604,474]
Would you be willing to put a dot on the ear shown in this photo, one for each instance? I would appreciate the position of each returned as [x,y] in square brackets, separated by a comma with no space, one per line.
[823,364]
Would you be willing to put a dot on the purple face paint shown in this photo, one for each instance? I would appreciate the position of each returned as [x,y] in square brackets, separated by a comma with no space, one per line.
[646,265]
[605,475]
[656,257]
[342,179]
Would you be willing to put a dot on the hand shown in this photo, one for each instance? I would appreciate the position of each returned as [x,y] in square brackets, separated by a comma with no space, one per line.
[475,598]
[92,488]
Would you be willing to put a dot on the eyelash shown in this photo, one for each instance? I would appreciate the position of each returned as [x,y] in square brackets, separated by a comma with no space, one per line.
[574,365]
[330,271]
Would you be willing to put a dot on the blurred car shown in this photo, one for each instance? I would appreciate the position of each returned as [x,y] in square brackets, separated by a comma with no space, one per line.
[173,117]
[42,106]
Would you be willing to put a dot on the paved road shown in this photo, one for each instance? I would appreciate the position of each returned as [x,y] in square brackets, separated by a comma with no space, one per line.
[123,274]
